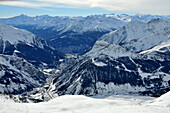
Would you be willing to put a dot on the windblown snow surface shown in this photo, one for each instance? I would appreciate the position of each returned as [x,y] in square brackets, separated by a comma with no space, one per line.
[96,104]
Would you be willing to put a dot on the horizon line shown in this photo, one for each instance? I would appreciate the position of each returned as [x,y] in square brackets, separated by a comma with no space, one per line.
[82,15]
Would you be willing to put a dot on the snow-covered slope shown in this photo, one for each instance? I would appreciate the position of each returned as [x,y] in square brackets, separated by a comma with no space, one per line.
[83,104]
[161,51]
[163,100]
[111,50]
[159,48]
[138,36]
[18,76]
[21,43]
[14,35]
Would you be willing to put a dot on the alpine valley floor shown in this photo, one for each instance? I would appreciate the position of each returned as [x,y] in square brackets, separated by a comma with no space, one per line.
[95,104]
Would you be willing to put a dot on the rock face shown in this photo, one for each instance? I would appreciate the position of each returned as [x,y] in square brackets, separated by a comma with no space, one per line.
[18,76]
[103,75]
[24,44]
[76,33]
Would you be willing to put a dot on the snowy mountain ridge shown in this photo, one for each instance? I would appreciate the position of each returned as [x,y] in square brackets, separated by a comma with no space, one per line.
[137,36]
[22,43]
[111,50]
[76,33]
[14,35]
[94,22]
[106,22]
[44,20]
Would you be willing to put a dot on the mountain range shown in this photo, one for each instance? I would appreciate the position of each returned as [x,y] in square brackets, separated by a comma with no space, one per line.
[75,35]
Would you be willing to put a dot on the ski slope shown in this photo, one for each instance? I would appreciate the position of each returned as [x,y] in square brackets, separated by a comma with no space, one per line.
[83,104]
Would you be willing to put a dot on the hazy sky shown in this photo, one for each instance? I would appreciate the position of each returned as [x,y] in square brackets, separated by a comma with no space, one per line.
[82,7]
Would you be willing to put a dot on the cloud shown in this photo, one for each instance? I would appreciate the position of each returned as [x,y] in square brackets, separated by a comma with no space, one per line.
[23,3]
[8,0]
[135,6]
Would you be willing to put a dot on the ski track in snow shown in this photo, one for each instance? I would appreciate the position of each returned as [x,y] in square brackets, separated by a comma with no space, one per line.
[83,104]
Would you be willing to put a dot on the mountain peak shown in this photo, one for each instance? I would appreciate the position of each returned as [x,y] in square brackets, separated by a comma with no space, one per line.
[23,15]
[14,35]
[155,20]
[112,50]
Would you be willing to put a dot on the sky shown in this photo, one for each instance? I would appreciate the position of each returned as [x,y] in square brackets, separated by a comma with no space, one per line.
[9,8]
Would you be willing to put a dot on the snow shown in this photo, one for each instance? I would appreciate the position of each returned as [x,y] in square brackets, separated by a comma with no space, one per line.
[98,63]
[16,51]
[48,70]
[164,100]
[5,61]
[84,104]
[110,16]
[112,50]
[13,35]
[21,74]
[138,36]
[29,44]
[79,24]
[103,88]
[144,74]
[64,24]
[61,37]
[61,60]
[122,17]
[158,47]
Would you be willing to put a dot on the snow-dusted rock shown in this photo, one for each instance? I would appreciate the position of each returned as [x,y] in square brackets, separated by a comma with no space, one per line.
[18,76]
[105,74]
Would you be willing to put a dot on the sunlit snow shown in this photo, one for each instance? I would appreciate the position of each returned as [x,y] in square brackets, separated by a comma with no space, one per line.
[83,104]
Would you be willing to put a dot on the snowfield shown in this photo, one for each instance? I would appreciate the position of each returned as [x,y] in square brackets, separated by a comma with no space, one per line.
[96,104]
[164,100]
